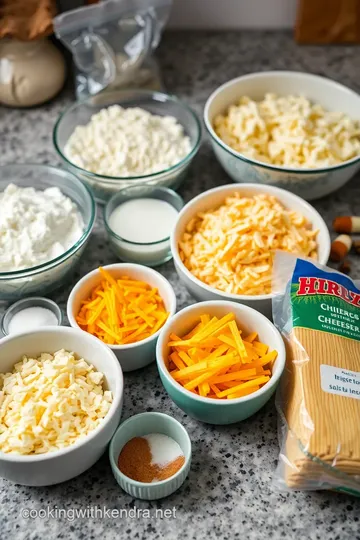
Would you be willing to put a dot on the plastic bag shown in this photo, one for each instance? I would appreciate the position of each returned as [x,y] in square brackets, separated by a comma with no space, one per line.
[318,399]
[112,42]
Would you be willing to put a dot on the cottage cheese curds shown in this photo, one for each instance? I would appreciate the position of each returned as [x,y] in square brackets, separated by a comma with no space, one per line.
[231,247]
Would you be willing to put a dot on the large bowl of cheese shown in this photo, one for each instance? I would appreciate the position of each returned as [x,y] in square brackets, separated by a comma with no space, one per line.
[61,395]
[293,130]
[225,239]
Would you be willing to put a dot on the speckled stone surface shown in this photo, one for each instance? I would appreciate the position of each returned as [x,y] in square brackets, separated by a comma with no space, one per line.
[229,493]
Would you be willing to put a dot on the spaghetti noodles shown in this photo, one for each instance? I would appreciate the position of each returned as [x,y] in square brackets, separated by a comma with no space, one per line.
[319,397]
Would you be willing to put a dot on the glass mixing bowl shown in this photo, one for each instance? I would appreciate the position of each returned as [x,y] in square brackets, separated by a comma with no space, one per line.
[52,274]
[80,113]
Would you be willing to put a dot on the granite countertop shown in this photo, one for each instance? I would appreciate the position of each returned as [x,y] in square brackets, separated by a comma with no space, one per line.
[229,492]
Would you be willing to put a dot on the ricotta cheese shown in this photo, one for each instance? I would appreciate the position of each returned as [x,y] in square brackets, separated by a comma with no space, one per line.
[36,226]
[127,142]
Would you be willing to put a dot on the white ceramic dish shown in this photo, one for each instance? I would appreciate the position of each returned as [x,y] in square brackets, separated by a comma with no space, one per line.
[307,183]
[213,198]
[134,355]
[216,411]
[61,465]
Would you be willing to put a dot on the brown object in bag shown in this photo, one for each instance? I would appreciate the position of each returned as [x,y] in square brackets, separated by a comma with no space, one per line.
[26,20]
[328,21]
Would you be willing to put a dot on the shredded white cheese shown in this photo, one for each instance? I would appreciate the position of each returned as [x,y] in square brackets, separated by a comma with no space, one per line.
[289,131]
[50,402]
[127,142]
[231,247]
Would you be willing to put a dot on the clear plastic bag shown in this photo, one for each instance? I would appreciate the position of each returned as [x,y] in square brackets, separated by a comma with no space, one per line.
[112,42]
[318,399]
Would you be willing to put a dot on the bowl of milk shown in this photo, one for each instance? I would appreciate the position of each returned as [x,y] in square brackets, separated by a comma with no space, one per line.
[139,221]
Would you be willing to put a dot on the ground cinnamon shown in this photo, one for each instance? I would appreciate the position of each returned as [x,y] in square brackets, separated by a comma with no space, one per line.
[138,462]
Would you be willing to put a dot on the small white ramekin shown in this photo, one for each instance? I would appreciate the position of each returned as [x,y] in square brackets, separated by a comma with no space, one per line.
[133,355]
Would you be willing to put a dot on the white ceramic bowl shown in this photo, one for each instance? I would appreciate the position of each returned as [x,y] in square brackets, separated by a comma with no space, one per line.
[134,355]
[61,465]
[216,411]
[213,198]
[307,183]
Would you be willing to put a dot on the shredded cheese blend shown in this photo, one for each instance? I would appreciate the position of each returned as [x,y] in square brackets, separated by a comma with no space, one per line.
[231,247]
[289,131]
[50,402]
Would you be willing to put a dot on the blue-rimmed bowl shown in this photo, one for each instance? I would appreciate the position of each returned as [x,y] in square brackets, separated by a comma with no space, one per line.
[52,274]
[307,183]
[158,103]
[138,426]
[220,411]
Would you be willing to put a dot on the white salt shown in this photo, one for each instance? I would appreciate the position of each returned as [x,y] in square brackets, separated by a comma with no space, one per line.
[163,449]
[31,318]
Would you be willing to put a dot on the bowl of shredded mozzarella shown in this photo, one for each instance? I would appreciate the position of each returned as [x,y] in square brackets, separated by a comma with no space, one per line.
[46,218]
[293,130]
[134,136]
[61,394]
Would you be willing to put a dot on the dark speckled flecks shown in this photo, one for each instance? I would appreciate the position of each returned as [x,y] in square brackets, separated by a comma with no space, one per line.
[229,493]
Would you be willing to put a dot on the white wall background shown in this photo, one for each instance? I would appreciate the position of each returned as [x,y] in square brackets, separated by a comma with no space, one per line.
[233,14]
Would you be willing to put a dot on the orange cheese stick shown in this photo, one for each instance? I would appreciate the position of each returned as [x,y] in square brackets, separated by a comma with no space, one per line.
[256,382]
[242,393]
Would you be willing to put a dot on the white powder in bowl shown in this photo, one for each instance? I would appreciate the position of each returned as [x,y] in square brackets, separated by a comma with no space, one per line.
[163,449]
[36,226]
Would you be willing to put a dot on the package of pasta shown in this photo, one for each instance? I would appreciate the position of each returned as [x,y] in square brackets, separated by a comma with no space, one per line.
[318,400]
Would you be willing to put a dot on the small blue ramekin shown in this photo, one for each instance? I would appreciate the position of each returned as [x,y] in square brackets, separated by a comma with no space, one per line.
[138,426]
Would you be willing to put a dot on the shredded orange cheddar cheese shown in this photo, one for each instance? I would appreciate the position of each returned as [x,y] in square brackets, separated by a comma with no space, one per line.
[121,311]
[214,360]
